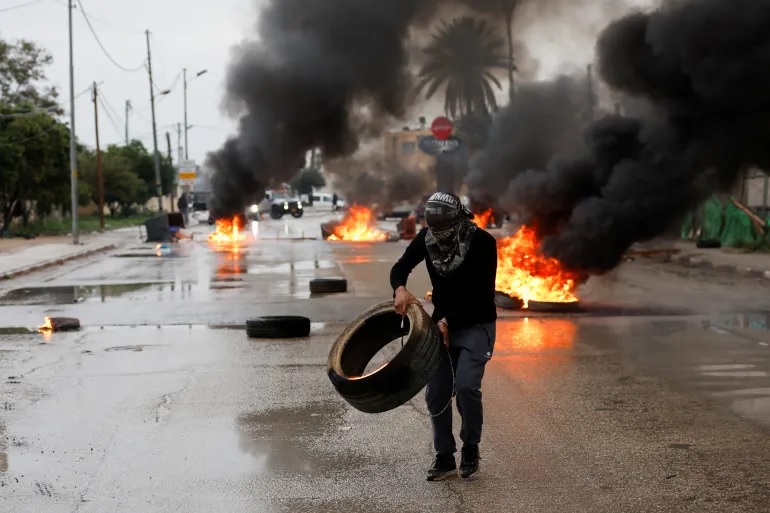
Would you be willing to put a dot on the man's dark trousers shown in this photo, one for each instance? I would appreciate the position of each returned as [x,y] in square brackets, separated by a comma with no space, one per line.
[470,349]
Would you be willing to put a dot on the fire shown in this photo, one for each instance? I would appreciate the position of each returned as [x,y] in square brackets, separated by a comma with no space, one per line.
[358,225]
[483,219]
[46,327]
[524,273]
[228,231]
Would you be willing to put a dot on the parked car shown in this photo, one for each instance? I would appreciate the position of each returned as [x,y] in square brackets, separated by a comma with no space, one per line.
[323,201]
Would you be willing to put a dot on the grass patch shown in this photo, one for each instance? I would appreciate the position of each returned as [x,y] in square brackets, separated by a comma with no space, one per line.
[86,224]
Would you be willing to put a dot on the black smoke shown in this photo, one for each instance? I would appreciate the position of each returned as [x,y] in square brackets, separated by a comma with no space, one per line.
[704,66]
[546,119]
[324,74]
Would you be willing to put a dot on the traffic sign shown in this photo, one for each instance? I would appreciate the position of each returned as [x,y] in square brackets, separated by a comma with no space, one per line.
[442,128]
[434,146]
[188,171]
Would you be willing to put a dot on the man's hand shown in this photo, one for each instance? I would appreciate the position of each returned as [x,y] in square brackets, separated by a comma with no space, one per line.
[443,327]
[403,299]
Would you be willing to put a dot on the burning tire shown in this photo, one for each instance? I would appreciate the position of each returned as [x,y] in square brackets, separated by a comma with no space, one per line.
[278,326]
[554,306]
[401,378]
[503,300]
[328,285]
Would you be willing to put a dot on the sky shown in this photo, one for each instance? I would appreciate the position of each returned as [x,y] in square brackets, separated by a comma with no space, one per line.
[197,36]
[184,34]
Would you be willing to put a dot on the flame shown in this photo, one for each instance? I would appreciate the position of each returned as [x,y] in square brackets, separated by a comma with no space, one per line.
[358,225]
[524,273]
[46,327]
[483,219]
[228,231]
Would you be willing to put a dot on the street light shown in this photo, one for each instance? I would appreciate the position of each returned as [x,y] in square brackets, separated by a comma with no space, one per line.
[186,126]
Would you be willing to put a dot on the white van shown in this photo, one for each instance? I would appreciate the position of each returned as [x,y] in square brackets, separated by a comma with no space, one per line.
[323,201]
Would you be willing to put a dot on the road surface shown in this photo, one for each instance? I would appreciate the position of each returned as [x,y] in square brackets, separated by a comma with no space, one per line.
[655,398]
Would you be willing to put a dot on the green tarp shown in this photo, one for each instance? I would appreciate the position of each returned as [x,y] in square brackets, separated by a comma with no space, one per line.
[725,222]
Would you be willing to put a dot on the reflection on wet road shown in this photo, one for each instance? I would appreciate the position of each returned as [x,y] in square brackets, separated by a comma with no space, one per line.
[653,399]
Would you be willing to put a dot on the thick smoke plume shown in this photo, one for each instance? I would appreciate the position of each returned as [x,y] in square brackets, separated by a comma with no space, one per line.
[323,74]
[546,119]
[704,65]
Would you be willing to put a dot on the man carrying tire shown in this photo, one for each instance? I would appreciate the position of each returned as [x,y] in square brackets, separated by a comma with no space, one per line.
[462,263]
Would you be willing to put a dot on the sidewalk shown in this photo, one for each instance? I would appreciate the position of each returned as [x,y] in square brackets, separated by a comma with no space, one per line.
[20,256]
[729,259]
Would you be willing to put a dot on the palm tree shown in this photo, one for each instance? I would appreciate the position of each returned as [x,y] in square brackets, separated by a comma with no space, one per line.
[508,7]
[462,57]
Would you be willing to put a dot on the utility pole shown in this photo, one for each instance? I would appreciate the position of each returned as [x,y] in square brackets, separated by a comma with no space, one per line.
[99,172]
[171,188]
[184,81]
[179,143]
[158,189]
[186,126]
[73,147]
[591,99]
[128,110]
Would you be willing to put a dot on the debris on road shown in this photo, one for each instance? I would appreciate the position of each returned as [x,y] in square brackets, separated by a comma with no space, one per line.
[52,324]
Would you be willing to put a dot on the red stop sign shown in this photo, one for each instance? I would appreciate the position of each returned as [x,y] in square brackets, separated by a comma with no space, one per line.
[442,128]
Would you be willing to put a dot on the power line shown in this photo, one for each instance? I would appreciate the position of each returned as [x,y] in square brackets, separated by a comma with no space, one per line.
[104,50]
[109,115]
[47,110]
[19,6]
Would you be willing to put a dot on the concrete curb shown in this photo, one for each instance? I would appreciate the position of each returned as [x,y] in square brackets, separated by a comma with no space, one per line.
[700,262]
[57,261]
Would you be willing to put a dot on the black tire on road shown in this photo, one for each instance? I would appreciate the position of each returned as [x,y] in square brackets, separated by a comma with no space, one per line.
[708,244]
[506,302]
[554,306]
[278,326]
[401,378]
[276,214]
[297,213]
[328,285]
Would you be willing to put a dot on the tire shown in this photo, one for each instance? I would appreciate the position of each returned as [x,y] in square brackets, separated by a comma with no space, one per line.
[64,324]
[553,306]
[278,326]
[328,285]
[506,302]
[297,214]
[708,244]
[401,378]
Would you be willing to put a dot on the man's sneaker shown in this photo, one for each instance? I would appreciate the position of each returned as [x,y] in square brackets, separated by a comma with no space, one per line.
[469,464]
[443,467]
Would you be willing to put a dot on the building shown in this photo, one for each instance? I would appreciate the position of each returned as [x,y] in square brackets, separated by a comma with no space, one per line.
[402,147]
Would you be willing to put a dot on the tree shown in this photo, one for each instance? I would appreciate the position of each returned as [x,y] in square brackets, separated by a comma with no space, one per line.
[122,186]
[462,58]
[306,179]
[33,144]
[142,163]
[22,66]
[34,163]
[509,7]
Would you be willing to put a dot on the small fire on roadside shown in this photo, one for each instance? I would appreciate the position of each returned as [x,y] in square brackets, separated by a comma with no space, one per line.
[228,231]
[483,219]
[525,273]
[46,327]
[358,225]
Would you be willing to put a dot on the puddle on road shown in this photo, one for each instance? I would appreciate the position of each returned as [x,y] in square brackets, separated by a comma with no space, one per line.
[295,439]
[291,267]
[63,295]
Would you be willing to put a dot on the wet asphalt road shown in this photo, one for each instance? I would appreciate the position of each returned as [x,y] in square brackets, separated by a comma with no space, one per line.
[655,398]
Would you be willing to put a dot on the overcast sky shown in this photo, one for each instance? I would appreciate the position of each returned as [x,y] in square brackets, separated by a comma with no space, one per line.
[184,34]
[198,35]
